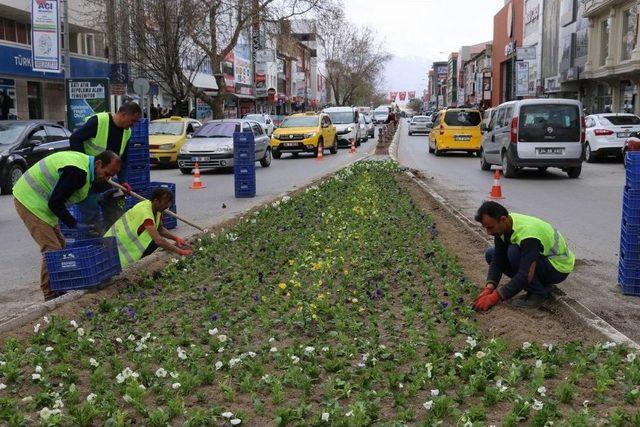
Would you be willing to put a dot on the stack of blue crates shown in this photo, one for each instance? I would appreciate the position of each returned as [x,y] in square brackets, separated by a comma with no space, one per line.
[244,164]
[629,268]
[73,235]
[138,165]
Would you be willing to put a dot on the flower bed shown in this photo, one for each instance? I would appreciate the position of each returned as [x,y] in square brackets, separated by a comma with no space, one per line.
[337,307]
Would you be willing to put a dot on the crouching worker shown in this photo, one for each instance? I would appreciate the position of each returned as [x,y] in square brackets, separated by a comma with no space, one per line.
[528,250]
[139,232]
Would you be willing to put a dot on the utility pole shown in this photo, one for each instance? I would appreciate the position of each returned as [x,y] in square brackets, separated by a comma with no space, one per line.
[67,56]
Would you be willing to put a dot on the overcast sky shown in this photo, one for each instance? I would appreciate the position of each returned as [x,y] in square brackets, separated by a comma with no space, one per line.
[417,31]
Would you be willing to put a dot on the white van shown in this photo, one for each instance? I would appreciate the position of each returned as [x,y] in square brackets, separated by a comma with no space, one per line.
[346,121]
[535,133]
[381,114]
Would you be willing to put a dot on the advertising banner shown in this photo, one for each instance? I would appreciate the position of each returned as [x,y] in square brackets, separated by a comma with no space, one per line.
[45,36]
[403,96]
[522,78]
[392,96]
[412,95]
[261,79]
[203,110]
[85,97]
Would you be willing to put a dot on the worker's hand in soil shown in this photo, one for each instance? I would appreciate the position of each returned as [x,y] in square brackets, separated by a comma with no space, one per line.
[487,301]
[180,242]
[486,291]
[184,252]
[126,186]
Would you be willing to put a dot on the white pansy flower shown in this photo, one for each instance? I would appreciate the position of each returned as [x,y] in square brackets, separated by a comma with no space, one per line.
[325,417]
[526,345]
[481,354]
[295,359]
[538,363]
[542,390]
[36,328]
[91,398]
[80,332]
[427,405]
[273,349]
[631,357]
[174,375]
[537,405]
[38,369]
[309,350]
[227,414]
[458,355]
[219,365]
[74,324]
[36,377]
[119,340]
[325,349]
[93,362]
[161,373]
[349,414]
[272,339]
[213,331]
[48,349]
[175,386]
[472,342]
[235,421]
[3,386]
[222,338]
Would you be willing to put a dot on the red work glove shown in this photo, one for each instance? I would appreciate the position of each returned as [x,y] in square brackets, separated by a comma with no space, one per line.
[486,291]
[180,241]
[184,252]
[126,186]
[487,301]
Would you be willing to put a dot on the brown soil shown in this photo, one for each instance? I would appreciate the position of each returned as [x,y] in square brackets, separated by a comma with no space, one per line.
[383,144]
[549,324]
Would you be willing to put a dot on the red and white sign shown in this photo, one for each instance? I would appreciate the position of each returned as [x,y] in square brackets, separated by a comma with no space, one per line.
[412,95]
[392,96]
[403,96]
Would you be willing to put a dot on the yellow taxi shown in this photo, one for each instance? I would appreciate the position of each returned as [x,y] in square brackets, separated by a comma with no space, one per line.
[304,133]
[166,136]
[456,129]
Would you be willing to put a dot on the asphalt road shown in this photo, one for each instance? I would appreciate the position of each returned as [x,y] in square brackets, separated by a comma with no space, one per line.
[20,265]
[587,211]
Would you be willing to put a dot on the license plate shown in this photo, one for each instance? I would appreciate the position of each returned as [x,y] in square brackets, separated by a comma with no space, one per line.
[290,144]
[624,134]
[200,159]
[462,137]
[550,150]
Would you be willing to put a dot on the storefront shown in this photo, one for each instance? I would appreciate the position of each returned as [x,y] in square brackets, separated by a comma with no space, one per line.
[37,95]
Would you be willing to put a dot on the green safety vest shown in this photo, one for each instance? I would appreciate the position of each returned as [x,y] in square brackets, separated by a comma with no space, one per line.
[554,246]
[131,246]
[34,188]
[95,146]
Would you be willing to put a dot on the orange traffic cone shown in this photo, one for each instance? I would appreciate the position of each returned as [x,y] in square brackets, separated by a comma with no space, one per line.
[320,155]
[496,190]
[197,184]
[353,147]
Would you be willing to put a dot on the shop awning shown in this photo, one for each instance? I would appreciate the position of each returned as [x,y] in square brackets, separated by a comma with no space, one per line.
[202,80]
[241,96]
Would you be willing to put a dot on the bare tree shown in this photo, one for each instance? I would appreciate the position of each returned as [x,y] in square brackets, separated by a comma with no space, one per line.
[354,60]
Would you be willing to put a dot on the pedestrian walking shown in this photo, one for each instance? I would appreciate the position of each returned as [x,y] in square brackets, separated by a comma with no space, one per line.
[43,192]
[528,250]
[140,232]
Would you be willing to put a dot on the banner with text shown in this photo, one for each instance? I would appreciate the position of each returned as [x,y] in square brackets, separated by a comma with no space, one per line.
[85,97]
[45,36]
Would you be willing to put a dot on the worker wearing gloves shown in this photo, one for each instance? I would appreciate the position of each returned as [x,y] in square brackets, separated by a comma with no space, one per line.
[42,193]
[139,232]
[106,131]
[528,250]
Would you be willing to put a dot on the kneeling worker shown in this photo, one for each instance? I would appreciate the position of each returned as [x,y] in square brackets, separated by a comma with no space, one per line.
[528,250]
[42,193]
[139,232]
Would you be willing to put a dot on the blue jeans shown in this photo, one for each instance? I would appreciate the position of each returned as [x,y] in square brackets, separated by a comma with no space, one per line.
[544,276]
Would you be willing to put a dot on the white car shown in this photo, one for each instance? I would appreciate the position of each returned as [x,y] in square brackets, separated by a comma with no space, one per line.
[347,124]
[420,124]
[265,121]
[606,134]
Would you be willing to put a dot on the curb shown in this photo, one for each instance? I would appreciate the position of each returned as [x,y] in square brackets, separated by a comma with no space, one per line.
[590,318]
[38,310]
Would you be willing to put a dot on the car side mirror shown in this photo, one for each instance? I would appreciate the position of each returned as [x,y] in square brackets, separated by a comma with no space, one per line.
[34,142]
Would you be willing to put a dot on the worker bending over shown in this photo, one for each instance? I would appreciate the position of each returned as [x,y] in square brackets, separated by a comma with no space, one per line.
[528,250]
[139,232]
[42,193]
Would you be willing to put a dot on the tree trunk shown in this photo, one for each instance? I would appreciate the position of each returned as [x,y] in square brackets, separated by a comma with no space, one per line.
[217,104]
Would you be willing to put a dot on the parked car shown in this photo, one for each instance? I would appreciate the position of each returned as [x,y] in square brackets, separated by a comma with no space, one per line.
[211,146]
[381,114]
[420,124]
[363,131]
[535,133]
[606,134]
[456,129]
[167,136]
[631,144]
[371,127]
[24,143]
[264,119]
[304,133]
[345,119]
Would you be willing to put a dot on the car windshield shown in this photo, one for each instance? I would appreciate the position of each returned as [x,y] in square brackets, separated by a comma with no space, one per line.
[621,120]
[257,117]
[300,122]
[421,119]
[217,130]
[462,118]
[549,123]
[341,118]
[166,128]
[9,132]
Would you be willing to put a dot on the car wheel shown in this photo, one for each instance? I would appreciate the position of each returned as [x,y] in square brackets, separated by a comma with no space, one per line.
[410,133]
[589,156]
[574,172]
[624,158]
[334,147]
[431,150]
[484,165]
[265,162]
[508,169]
[276,154]
[436,150]
[542,170]
[15,172]
[186,171]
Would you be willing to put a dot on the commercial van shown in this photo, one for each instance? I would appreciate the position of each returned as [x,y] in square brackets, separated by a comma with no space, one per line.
[535,133]
[381,114]
[346,121]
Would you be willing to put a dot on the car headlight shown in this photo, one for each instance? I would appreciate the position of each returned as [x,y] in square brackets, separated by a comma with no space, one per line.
[167,146]
[349,129]
[184,150]
[309,135]
[274,136]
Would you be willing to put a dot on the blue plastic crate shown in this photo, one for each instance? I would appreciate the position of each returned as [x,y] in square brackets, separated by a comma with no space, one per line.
[168,221]
[243,171]
[83,264]
[244,156]
[168,185]
[629,279]
[72,234]
[244,140]
[139,178]
[140,128]
[245,188]
[137,156]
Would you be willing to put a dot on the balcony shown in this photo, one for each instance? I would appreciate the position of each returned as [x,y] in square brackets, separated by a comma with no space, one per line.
[597,7]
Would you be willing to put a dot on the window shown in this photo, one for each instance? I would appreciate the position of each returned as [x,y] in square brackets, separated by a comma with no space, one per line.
[10,30]
[90,48]
[246,128]
[22,33]
[55,133]
[496,119]
[629,28]
[506,121]
[549,123]
[622,120]
[604,41]
[462,118]
[38,134]
[257,130]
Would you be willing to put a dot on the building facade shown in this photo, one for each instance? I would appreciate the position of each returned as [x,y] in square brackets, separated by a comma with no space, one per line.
[477,79]
[507,37]
[451,85]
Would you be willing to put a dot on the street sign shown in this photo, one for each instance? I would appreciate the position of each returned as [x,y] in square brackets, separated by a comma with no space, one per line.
[119,74]
[118,89]
[85,97]
[526,53]
[141,86]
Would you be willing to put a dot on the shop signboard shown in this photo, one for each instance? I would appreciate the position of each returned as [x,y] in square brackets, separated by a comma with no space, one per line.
[45,34]
[522,78]
[203,110]
[261,79]
[85,97]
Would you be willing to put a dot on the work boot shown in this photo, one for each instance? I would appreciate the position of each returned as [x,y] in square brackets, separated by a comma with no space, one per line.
[529,301]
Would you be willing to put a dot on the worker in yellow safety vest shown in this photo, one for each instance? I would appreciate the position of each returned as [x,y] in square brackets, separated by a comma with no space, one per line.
[139,232]
[43,192]
[528,250]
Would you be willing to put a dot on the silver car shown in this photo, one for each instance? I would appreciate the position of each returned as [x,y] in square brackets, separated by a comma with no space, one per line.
[420,124]
[211,146]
